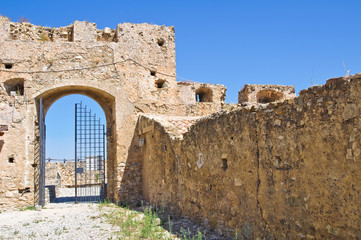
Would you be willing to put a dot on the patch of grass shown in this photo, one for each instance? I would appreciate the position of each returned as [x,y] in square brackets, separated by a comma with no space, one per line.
[146,225]
[44,37]
[105,202]
[187,235]
[170,225]
[135,225]
[151,224]
[32,208]
[16,232]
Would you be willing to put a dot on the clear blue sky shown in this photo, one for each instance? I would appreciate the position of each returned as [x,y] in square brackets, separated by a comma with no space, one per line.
[60,125]
[300,43]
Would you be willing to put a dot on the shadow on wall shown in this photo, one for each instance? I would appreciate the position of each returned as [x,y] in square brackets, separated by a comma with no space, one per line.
[268,96]
[204,94]
[131,187]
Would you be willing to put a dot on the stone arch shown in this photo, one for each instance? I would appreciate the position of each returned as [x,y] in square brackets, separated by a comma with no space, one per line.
[268,96]
[106,102]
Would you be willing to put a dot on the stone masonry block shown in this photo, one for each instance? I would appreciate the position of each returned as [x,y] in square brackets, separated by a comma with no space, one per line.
[84,31]
[4,28]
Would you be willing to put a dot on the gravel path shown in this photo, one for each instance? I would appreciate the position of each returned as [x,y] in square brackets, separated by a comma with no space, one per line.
[56,221]
[66,220]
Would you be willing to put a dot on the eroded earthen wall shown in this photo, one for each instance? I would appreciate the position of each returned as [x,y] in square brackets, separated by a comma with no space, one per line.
[285,171]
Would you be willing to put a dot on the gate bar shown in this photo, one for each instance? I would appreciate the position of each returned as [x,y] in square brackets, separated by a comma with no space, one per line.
[76,155]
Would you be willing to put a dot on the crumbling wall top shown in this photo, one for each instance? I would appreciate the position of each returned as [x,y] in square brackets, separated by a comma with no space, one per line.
[175,126]
[82,31]
[194,92]
[256,93]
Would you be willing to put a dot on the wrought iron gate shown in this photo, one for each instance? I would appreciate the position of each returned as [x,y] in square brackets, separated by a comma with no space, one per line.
[42,135]
[90,162]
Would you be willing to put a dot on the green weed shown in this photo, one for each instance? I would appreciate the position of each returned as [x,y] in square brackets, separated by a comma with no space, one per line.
[135,225]
[187,235]
[27,208]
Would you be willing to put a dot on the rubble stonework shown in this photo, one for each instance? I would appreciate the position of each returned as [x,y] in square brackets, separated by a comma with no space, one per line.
[275,166]
[256,93]
[280,171]
[60,174]
[128,70]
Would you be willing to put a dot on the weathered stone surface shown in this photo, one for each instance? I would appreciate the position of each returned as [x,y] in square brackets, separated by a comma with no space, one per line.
[298,180]
[281,170]
[84,32]
[60,173]
[255,93]
[4,28]
[128,71]
[350,111]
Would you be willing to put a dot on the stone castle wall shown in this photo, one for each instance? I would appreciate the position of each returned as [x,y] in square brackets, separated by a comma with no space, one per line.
[128,70]
[256,93]
[283,171]
[286,170]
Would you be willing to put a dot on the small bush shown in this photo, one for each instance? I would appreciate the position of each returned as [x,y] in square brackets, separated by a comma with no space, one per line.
[44,37]
[23,20]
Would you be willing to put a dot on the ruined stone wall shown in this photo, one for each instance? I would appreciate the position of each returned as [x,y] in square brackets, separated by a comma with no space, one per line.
[128,70]
[60,173]
[256,93]
[16,177]
[284,170]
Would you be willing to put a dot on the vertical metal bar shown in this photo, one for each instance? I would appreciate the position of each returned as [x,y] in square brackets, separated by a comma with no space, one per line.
[41,155]
[44,157]
[85,151]
[90,156]
[76,152]
[104,170]
[82,144]
[40,151]
[93,138]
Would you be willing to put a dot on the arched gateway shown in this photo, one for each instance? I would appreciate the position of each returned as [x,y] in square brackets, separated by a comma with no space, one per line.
[121,69]
[46,98]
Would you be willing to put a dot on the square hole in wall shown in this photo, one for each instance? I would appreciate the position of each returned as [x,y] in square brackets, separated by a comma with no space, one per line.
[160,42]
[24,190]
[160,83]
[11,159]
[224,164]
[8,65]
[14,86]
